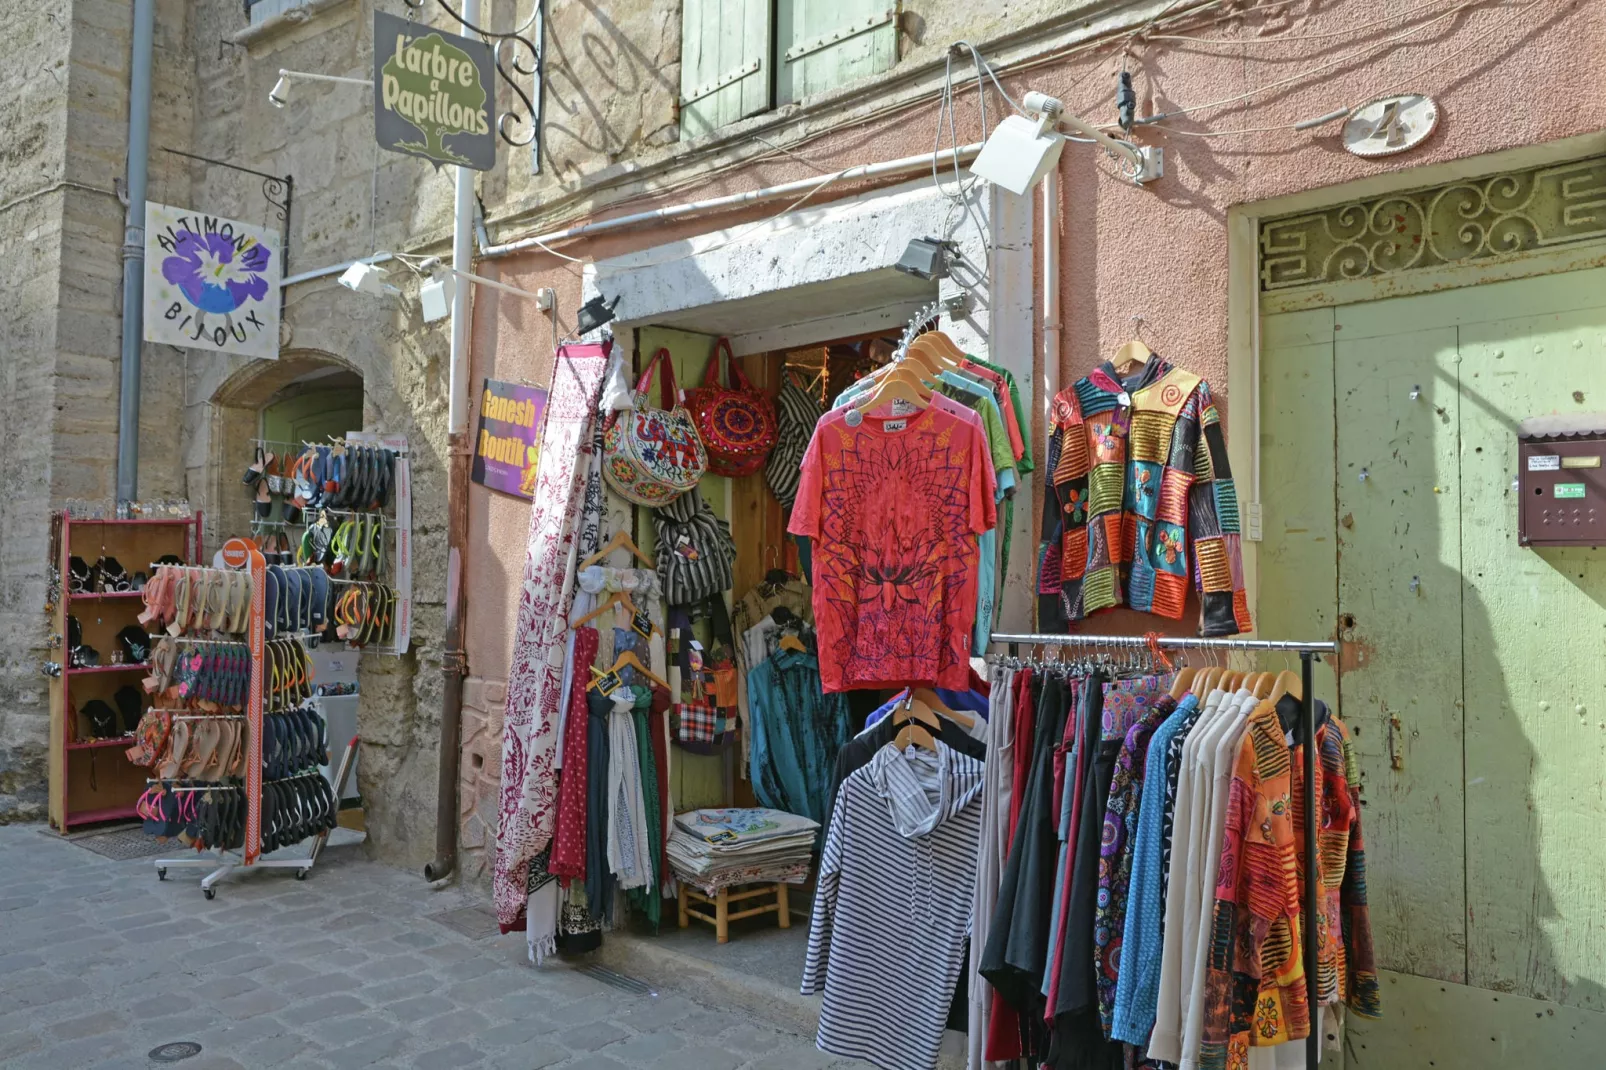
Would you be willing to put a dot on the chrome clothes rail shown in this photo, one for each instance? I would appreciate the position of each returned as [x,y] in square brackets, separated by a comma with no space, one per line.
[1308,654]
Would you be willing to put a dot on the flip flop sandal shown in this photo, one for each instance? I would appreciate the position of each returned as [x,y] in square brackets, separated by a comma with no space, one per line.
[262,504]
[178,745]
[206,738]
[387,476]
[334,477]
[379,542]
[318,602]
[253,471]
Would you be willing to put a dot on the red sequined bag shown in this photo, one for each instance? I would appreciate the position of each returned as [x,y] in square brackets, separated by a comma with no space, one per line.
[736,423]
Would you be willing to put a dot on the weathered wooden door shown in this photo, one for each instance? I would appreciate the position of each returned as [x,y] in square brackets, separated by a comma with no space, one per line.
[1474,670]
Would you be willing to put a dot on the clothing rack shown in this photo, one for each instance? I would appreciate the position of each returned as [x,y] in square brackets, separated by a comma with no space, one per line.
[1308,653]
[912,330]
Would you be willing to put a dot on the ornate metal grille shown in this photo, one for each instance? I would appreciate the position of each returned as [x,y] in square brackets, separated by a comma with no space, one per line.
[1470,220]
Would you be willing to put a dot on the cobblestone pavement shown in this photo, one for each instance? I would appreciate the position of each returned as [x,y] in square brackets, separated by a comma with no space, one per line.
[100,963]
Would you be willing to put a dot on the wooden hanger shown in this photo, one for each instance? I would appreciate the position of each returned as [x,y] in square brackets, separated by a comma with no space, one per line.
[621,541]
[1288,683]
[1184,677]
[919,724]
[618,598]
[792,642]
[937,348]
[628,660]
[1130,355]
[1262,684]
[916,734]
[929,697]
[902,383]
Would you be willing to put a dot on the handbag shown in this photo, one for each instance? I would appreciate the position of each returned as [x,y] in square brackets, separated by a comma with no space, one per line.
[653,456]
[698,722]
[695,550]
[737,423]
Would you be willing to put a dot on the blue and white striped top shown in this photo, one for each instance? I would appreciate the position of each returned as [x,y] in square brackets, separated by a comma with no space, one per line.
[893,905]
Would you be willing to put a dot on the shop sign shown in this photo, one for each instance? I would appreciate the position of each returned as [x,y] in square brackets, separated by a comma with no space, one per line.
[507,450]
[211,283]
[433,94]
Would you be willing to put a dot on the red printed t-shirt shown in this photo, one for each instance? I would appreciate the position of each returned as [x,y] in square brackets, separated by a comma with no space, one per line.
[894,506]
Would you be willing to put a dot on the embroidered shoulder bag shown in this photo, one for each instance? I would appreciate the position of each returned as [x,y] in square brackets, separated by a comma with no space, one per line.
[653,456]
[737,423]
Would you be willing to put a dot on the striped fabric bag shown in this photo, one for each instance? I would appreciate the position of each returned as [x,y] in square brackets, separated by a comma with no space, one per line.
[798,412]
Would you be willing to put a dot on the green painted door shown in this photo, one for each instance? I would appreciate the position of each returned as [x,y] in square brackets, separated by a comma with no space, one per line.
[1473,671]
[313,415]
[695,780]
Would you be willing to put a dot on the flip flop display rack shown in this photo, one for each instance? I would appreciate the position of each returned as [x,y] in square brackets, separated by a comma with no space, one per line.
[345,507]
[235,743]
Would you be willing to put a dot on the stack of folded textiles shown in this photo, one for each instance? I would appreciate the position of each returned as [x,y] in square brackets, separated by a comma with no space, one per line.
[721,848]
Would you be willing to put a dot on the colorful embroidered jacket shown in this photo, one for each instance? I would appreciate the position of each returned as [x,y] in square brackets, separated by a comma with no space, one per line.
[1141,495]
[1255,987]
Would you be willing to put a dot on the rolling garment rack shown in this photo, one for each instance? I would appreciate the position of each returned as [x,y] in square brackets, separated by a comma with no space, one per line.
[1308,654]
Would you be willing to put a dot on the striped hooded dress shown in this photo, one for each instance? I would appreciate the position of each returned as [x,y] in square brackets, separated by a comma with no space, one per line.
[893,905]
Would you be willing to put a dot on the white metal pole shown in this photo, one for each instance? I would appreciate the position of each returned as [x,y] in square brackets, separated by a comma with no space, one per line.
[1049,382]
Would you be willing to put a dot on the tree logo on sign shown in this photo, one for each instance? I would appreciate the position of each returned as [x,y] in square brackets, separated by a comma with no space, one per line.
[435,86]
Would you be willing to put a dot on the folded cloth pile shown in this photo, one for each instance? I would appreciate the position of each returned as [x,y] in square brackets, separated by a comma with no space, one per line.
[723,847]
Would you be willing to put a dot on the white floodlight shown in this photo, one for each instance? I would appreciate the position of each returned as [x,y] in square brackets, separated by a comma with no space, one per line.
[280,93]
[367,279]
[1024,148]
[435,296]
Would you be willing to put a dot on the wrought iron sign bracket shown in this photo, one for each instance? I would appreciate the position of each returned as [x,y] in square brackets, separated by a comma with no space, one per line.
[277,190]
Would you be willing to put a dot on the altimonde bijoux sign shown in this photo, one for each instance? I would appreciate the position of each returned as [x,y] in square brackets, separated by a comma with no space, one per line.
[433,94]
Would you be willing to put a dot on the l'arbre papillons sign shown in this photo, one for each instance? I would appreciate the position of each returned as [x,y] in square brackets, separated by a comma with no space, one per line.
[433,94]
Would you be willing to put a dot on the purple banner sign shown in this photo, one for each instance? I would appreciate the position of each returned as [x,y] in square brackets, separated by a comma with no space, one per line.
[508,447]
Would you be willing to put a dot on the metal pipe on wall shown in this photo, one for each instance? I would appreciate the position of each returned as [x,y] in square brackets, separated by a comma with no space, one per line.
[139,140]
[1050,379]
[454,660]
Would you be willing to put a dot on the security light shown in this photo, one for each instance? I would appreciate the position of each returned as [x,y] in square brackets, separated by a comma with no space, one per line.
[594,313]
[435,296]
[1020,151]
[927,258]
[280,93]
[367,279]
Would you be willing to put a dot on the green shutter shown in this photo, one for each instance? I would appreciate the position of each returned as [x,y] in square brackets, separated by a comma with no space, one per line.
[724,62]
[822,44]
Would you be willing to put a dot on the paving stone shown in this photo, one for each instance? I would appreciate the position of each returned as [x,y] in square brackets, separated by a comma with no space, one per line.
[415,938]
[251,1004]
[534,1056]
[277,1051]
[320,1010]
[338,1031]
[88,1025]
[591,1037]
[368,1052]
[405,988]
[457,1025]
[225,987]
[594,1061]
[394,966]
[514,1033]
[419,1008]
[645,1049]
[699,1057]
[453,1055]
[323,984]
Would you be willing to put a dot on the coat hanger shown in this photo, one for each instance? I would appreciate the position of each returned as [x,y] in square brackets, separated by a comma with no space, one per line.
[1288,683]
[792,642]
[618,598]
[929,697]
[1133,352]
[621,541]
[1184,677]
[938,349]
[919,724]
[628,660]
[902,383]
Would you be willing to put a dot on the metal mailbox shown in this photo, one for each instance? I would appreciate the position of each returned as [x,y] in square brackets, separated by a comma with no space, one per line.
[1561,481]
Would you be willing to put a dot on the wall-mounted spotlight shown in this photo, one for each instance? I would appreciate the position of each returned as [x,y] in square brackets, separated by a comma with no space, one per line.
[1023,148]
[279,95]
[367,279]
[927,258]
[595,313]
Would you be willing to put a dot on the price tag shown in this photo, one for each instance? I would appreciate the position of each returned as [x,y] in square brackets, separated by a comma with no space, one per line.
[607,682]
[642,624]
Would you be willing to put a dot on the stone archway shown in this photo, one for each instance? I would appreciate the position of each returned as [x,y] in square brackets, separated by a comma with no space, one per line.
[232,425]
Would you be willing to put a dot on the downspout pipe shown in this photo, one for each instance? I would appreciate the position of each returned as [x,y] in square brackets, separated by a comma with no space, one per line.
[454,663]
[139,144]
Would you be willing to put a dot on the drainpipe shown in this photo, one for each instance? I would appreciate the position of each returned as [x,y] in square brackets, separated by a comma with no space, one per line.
[139,138]
[1049,384]
[454,663]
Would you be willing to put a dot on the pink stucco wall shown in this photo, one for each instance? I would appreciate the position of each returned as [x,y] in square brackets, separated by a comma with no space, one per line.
[1161,251]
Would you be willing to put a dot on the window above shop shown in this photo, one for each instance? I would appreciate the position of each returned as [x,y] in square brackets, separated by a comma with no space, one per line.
[744,57]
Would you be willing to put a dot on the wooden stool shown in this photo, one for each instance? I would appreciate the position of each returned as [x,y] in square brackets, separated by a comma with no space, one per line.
[721,901]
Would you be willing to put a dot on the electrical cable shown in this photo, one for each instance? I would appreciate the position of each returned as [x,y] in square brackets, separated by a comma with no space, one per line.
[1349,31]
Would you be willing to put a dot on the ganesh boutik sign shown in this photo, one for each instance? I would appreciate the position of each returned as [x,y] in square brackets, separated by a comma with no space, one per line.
[433,94]
[507,450]
[211,283]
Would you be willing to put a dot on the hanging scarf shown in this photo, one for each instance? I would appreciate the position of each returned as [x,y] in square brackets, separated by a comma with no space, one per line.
[627,809]
[535,682]
[569,835]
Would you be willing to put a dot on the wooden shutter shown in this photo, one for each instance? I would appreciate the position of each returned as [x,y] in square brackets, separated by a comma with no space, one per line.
[822,44]
[724,62]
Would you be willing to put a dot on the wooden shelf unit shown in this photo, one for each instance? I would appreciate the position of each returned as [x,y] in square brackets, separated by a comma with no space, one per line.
[90,779]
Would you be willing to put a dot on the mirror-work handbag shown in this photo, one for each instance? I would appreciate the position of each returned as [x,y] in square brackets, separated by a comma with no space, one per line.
[653,456]
[737,423]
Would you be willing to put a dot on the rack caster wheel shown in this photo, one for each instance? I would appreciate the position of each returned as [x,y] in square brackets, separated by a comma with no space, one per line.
[210,893]
[161,874]
[301,874]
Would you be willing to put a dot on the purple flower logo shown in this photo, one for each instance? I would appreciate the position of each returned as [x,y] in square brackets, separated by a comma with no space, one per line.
[218,273]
